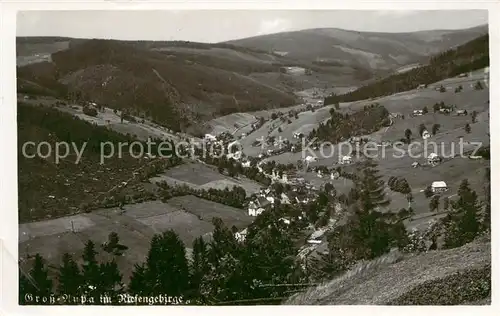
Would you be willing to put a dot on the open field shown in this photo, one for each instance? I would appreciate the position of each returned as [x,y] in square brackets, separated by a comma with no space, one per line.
[199,176]
[188,216]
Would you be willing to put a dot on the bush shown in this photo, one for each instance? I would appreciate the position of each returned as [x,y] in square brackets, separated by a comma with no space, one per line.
[90,111]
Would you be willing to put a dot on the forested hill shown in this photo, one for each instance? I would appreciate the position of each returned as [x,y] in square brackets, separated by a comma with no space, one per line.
[468,57]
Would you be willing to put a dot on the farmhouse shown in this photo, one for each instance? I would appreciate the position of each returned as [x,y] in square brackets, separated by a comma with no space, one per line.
[256,207]
[438,186]
[421,86]
[311,159]
[246,164]
[285,220]
[418,112]
[433,159]
[445,110]
[293,70]
[210,137]
[285,199]
[461,112]
[463,75]
[241,236]
[396,115]
[415,164]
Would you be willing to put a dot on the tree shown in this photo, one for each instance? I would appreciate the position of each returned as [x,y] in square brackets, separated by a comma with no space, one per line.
[36,282]
[436,107]
[110,284]
[474,116]
[425,110]
[90,269]
[463,223]
[369,232]
[446,203]
[198,268]
[434,203]
[421,129]
[165,271]
[69,278]
[428,192]
[221,282]
[408,134]
[435,128]
[467,128]
[274,116]
[409,198]
[478,86]
[442,89]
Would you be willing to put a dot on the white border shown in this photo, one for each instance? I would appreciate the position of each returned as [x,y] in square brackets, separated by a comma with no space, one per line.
[8,159]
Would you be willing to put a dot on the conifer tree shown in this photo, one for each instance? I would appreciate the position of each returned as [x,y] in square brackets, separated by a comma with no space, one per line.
[223,258]
[69,277]
[90,269]
[165,271]
[36,283]
[198,268]
[463,223]
[111,280]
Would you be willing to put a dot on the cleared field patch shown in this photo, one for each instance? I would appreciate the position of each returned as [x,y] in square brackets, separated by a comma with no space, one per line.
[54,226]
[197,174]
[187,225]
[208,210]
[203,177]
[136,224]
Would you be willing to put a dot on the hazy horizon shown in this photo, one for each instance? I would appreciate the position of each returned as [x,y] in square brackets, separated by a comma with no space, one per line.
[218,25]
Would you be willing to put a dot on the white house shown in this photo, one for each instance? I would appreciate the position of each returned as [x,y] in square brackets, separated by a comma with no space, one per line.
[241,236]
[254,210]
[246,164]
[346,160]
[314,241]
[210,137]
[320,175]
[285,199]
[415,164]
[421,86]
[418,112]
[334,175]
[426,134]
[438,186]
[461,112]
[256,207]
[433,159]
[311,159]
[285,220]
[270,199]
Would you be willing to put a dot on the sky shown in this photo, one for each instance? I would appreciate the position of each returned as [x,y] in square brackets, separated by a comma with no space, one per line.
[217,26]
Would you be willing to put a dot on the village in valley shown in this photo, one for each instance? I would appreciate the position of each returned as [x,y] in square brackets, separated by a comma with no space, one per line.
[284,178]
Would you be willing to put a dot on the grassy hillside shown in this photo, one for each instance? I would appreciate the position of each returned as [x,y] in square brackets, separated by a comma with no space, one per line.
[48,189]
[471,56]
[175,90]
[331,47]
[455,276]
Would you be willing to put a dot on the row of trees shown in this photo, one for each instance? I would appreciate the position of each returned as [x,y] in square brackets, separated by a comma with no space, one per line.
[235,197]
[219,271]
[343,126]
[465,58]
